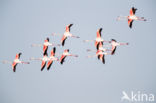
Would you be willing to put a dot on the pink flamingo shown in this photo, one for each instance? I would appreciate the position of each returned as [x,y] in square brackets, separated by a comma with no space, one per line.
[65,54]
[67,34]
[98,38]
[16,61]
[52,58]
[131,17]
[114,45]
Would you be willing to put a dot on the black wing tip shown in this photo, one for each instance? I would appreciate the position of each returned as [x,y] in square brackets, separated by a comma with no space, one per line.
[98,56]
[61,62]
[47,38]
[48,68]
[42,68]
[97,47]
[134,8]
[113,52]
[71,24]
[130,25]
[54,49]
[113,40]
[63,42]
[14,70]
[45,53]
[103,59]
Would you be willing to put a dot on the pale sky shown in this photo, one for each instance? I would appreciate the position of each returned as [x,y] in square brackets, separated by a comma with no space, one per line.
[78,80]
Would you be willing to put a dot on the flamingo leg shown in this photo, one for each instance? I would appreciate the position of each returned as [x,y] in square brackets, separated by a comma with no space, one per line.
[121,18]
[75,36]
[25,62]
[36,45]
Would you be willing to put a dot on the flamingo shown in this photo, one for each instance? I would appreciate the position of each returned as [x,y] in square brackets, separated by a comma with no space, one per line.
[67,34]
[44,60]
[114,45]
[131,17]
[98,38]
[45,45]
[101,55]
[16,61]
[65,54]
[52,58]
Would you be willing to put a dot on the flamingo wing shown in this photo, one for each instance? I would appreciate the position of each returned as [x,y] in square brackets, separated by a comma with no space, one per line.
[96,43]
[102,58]
[53,52]
[14,64]
[62,59]
[68,27]
[49,64]
[99,33]
[63,40]
[43,65]
[45,48]
[18,56]
[113,50]
[113,40]
[132,11]
[100,44]
[130,21]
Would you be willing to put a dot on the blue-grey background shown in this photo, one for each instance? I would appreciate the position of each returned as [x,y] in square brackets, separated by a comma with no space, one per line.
[79,80]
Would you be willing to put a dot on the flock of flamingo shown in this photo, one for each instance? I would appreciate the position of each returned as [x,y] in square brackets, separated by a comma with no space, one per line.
[100,51]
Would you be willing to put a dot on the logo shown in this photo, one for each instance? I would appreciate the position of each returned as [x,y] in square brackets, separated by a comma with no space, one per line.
[137,97]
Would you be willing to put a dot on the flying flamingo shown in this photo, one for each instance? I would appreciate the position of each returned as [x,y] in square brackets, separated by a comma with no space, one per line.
[101,55]
[52,58]
[44,60]
[98,38]
[67,34]
[114,45]
[16,61]
[45,45]
[131,17]
[65,54]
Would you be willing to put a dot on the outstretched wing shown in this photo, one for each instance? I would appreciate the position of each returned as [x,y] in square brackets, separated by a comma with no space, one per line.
[49,64]
[100,44]
[62,59]
[132,11]
[63,40]
[99,33]
[14,64]
[43,65]
[113,50]
[18,56]
[103,59]
[68,27]
[130,21]
[53,52]
[45,48]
